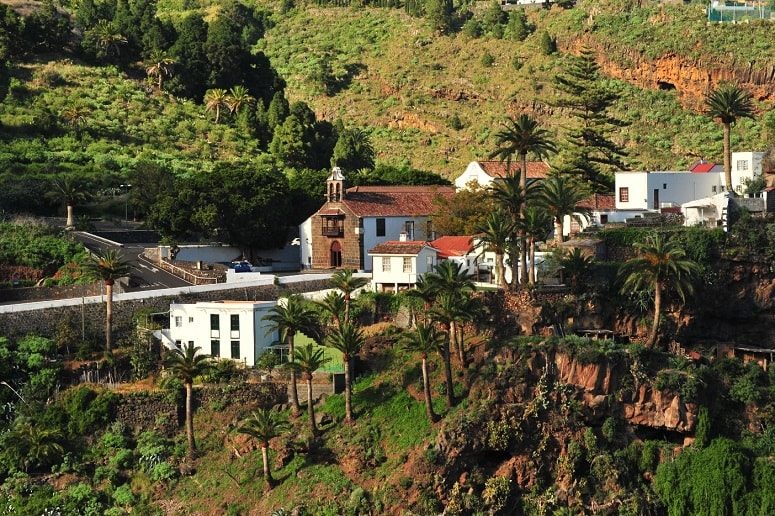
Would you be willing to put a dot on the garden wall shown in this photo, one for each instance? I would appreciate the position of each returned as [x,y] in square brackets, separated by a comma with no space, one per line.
[43,320]
[25,294]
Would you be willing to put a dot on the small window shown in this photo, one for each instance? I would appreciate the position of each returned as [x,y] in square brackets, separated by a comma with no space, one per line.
[215,322]
[624,194]
[409,229]
[190,319]
[385,264]
[742,164]
[235,349]
[178,343]
[191,343]
[429,261]
[235,322]
[739,188]
[380,227]
[664,186]
[215,348]
[178,321]
[723,188]
[407,264]
[714,188]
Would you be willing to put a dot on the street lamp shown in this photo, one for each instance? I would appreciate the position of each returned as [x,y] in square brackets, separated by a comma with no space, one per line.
[126,201]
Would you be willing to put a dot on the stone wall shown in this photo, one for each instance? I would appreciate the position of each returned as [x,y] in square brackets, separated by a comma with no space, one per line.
[25,294]
[44,321]
[163,412]
[350,240]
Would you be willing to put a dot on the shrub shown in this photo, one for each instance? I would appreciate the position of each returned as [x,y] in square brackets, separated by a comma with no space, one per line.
[547,44]
[499,435]
[163,471]
[268,360]
[496,494]
[649,456]
[488,59]
[123,496]
[122,459]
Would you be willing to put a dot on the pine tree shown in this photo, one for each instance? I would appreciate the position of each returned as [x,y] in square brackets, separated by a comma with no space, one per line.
[439,14]
[188,51]
[591,153]
[278,110]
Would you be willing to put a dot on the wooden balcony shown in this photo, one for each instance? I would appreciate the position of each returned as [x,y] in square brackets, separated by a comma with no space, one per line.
[333,231]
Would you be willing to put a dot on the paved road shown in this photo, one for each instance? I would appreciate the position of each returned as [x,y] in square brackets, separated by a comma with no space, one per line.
[145,276]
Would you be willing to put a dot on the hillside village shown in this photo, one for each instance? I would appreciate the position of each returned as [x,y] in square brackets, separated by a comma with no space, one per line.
[422,257]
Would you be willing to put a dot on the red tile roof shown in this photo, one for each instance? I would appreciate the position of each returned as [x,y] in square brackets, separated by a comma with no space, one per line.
[599,202]
[703,167]
[394,201]
[398,247]
[535,169]
[453,245]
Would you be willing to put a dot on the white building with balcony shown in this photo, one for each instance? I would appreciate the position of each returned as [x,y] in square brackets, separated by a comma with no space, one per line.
[222,329]
[397,264]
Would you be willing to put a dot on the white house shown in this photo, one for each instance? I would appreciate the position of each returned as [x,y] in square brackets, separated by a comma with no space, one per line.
[460,250]
[710,211]
[652,191]
[225,329]
[485,172]
[398,263]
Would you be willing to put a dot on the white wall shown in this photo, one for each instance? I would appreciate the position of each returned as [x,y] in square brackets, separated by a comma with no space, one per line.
[473,172]
[394,226]
[745,165]
[675,188]
[488,258]
[305,238]
[396,275]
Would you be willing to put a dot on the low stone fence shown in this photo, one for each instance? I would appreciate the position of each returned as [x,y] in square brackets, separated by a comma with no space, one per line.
[25,294]
[165,412]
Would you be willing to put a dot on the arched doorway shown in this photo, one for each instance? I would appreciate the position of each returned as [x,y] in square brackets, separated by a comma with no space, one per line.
[336,254]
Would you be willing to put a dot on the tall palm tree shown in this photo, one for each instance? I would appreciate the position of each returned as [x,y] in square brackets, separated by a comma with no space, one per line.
[511,196]
[494,235]
[535,223]
[560,196]
[333,305]
[346,283]
[660,264]
[446,312]
[289,318]
[108,38]
[107,266]
[349,340]
[424,292]
[448,277]
[70,193]
[239,98]
[425,339]
[215,101]
[186,364]
[160,66]
[727,103]
[519,137]
[309,359]
[264,425]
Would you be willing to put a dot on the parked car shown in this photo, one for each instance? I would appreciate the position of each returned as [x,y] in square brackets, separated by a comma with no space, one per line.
[243,266]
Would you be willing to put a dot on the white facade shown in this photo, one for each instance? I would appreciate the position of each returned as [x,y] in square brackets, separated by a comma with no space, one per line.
[473,172]
[401,270]
[225,329]
[655,190]
[488,261]
[710,211]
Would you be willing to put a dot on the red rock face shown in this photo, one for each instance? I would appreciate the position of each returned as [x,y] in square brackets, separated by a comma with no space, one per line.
[658,409]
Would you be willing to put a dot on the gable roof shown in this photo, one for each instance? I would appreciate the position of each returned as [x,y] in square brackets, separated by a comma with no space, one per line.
[398,247]
[598,202]
[394,201]
[535,169]
[703,166]
[453,245]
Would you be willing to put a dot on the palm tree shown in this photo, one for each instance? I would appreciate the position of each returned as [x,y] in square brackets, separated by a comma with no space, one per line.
[70,193]
[519,137]
[264,425]
[425,339]
[448,277]
[446,312]
[289,318]
[34,446]
[108,38]
[560,197]
[346,283]
[659,264]
[215,100]
[510,195]
[727,103]
[309,359]
[494,235]
[424,292]
[333,305]
[185,365]
[575,267]
[160,66]
[238,98]
[535,223]
[107,266]
[75,117]
[349,340]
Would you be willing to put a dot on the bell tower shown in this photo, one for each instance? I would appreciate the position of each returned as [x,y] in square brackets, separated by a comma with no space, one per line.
[335,185]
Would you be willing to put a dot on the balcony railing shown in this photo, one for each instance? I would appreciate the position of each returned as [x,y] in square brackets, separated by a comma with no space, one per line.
[333,231]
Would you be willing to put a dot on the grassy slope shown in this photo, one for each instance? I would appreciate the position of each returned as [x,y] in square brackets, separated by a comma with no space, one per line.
[413,81]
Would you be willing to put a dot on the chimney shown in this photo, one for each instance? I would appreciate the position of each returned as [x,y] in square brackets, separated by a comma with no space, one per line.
[403,236]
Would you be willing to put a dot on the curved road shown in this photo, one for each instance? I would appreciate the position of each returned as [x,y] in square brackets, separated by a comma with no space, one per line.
[145,276]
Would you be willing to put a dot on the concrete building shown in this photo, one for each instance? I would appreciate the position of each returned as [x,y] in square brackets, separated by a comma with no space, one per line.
[485,172]
[222,329]
[460,250]
[397,264]
[354,220]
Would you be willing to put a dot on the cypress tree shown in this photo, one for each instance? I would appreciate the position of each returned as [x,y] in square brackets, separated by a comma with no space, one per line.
[278,110]
[590,151]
